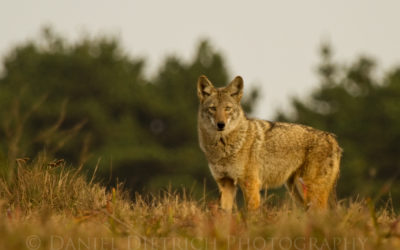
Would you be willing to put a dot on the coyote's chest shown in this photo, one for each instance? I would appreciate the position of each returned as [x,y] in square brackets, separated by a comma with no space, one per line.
[220,147]
[224,157]
[231,171]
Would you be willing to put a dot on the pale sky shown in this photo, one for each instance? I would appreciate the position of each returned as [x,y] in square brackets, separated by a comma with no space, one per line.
[269,43]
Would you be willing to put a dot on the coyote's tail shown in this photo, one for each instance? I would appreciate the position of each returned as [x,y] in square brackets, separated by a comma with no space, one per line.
[333,195]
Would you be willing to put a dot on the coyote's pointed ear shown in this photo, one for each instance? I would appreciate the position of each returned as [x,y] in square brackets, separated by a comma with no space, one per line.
[204,88]
[235,88]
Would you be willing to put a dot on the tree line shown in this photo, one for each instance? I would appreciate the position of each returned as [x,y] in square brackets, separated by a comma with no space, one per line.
[89,102]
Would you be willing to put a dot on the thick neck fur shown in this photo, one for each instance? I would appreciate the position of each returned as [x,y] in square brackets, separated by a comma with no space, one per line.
[220,144]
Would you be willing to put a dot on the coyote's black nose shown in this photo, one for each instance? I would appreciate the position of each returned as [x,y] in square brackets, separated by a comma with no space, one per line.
[221,125]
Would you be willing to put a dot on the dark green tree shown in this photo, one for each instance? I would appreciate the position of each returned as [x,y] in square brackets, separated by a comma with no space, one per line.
[89,102]
[364,112]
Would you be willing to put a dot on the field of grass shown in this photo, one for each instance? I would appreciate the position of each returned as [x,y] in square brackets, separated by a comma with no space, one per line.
[48,205]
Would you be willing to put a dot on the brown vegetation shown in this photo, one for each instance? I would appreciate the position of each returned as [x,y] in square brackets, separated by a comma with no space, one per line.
[46,205]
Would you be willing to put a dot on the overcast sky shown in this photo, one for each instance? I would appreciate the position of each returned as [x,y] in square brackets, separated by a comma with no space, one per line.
[270,43]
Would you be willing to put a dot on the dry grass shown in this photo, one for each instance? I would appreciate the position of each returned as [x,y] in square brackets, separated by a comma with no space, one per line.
[45,205]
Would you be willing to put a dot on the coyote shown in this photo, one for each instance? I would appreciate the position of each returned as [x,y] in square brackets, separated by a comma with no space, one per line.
[257,154]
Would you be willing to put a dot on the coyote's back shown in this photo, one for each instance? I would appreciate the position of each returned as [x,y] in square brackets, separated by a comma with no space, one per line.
[256,154]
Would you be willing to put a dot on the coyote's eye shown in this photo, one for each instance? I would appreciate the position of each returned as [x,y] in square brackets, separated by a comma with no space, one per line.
[212,109]
[227,109]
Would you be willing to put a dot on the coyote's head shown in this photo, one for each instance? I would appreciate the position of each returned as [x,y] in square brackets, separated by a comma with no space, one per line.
[220,108]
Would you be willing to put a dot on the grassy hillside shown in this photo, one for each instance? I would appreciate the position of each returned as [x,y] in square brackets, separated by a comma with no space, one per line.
[48,205]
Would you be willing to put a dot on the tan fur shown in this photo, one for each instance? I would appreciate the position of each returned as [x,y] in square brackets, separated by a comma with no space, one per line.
[257,154]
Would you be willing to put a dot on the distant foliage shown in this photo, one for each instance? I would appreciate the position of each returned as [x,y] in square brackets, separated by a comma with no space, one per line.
[364,112]
[90,103]
[90,100]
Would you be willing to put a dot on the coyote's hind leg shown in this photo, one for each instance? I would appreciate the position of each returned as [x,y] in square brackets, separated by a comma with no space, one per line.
[296,189]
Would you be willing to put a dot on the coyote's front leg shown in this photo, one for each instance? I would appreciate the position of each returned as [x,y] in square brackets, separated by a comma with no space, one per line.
[228,192]
[251,190]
